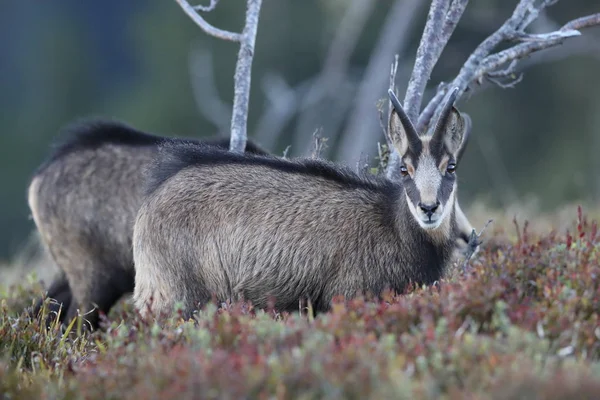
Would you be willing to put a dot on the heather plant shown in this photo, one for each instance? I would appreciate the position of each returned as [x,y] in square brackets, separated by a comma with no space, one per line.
[519,320]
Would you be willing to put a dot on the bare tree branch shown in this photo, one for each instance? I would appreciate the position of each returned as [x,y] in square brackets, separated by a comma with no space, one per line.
[318,143]
[533,12]
[537,43]
[242,78]
[474,243]
[202,23]
[480,63]
[507,30]
[429,109]
[243,68]
[394,159]
[210,7]
[586,45]
[457,8]
[426,57]
[495,61]
[583,22]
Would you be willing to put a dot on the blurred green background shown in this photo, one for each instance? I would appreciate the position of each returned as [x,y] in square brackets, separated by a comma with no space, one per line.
[147,64]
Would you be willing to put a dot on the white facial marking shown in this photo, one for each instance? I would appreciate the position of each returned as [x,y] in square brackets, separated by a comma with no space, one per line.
[428,179]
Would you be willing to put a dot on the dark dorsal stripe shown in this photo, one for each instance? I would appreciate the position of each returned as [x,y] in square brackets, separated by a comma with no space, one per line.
[92,133]
[174,157]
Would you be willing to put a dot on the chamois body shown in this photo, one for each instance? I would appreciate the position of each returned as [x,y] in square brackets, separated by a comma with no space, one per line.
[84,200]
[301,229]
[260,228]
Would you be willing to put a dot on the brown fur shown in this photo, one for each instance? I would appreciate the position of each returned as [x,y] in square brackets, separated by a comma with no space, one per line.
[245,227]
[84,200]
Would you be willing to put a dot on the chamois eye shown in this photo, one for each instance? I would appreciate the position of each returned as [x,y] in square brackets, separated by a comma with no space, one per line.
[451,168]
[403,170]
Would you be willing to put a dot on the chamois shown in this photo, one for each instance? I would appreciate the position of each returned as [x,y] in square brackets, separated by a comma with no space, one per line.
[84,200]
[260,228]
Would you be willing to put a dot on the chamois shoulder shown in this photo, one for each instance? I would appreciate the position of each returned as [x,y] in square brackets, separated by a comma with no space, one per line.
[92,133]
[174,157]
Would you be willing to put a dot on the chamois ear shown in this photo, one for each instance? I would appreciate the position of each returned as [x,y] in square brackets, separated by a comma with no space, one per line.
[450,128]
[401,132]
[456,133]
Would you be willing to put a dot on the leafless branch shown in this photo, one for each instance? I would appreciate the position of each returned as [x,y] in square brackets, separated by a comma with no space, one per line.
[507,30]
[318,143]
[202,23]
[583,22]
[243,68]
[588,45]
[394,159]
[480,63]
[429,109]
[544,41]
[510,83]
[474,242]
[426,59]
[504,72]
[533,12]
[242,78]
[362,165]
[457,8]
[210,7]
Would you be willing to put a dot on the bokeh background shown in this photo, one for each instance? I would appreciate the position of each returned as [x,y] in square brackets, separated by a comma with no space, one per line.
[318,64]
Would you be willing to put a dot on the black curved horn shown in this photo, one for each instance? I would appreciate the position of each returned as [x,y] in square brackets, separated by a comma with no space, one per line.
[414,141]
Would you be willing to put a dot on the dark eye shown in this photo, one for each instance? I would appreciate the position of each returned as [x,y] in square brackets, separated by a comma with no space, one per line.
[451,168]
[403,170]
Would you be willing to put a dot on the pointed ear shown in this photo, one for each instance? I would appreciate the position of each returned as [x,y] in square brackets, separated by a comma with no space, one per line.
[456,132]
[466,135]
[401,132]
[396,134]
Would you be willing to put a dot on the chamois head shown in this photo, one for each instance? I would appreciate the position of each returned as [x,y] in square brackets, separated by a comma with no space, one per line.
[428,163]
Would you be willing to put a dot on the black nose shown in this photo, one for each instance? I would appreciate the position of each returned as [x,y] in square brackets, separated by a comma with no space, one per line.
[429,209]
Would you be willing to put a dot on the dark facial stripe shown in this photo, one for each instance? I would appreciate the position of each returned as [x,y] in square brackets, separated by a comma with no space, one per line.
[445,189]
[412,191]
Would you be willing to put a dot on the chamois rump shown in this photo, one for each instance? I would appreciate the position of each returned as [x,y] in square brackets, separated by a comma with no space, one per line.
[84,200]
[260,228]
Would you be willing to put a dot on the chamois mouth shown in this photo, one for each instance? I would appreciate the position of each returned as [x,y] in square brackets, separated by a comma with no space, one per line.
[429,222]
